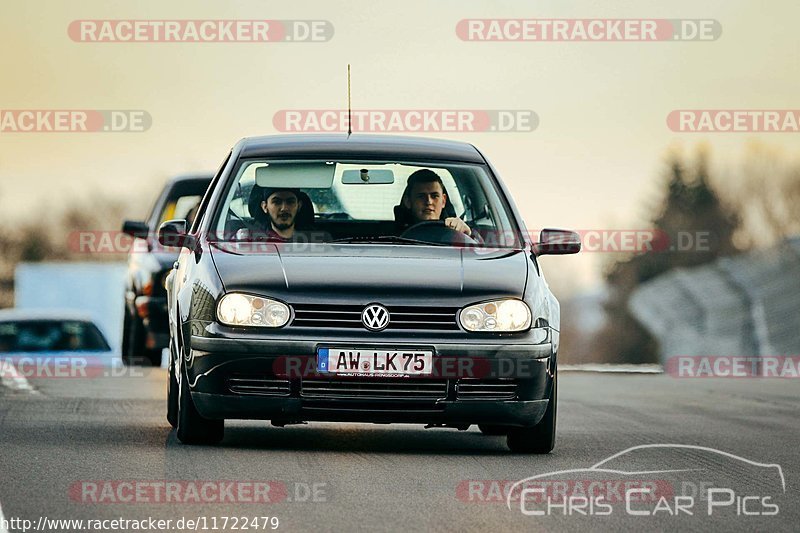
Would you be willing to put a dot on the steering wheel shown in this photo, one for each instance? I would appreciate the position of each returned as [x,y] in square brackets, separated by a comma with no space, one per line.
[435,231]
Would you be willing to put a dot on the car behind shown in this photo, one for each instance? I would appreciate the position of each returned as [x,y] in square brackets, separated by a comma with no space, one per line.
[48,342]
[145,332]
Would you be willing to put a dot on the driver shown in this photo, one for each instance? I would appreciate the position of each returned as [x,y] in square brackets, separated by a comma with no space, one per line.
[425,199]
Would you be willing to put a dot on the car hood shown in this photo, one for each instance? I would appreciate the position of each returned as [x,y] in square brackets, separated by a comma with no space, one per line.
[371,272]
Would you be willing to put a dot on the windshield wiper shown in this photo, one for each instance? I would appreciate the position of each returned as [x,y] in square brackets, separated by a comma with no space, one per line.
[385,239]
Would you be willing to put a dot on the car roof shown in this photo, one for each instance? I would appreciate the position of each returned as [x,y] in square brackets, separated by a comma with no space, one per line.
[7,315]
[177,185]
[359,146]
[198,176]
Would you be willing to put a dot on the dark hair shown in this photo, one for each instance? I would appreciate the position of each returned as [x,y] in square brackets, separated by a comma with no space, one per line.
[423,175]
[269,191]
[261,194]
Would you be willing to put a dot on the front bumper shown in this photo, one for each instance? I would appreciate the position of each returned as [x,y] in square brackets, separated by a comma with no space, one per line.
[287,368]
[451,413]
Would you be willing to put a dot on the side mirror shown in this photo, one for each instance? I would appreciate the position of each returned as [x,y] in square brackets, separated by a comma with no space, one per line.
[172,233]
[135,228]
[557,242]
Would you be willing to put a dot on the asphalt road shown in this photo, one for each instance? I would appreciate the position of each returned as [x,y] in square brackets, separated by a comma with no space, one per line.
[81,448]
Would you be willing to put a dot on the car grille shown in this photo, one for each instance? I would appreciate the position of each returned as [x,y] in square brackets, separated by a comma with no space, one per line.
[349,316]
[377,389]
[486,389]
[259,386]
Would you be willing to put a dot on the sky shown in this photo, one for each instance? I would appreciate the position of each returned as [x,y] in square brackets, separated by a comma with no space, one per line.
[593,162]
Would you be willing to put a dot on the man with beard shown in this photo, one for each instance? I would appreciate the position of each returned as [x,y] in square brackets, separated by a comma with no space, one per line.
[275,212]
[281,207]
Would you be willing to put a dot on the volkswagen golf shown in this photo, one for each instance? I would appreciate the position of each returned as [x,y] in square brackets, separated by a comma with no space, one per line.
[362,278]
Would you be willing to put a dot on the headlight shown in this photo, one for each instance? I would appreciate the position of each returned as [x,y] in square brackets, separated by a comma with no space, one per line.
[498,315]
[236,309]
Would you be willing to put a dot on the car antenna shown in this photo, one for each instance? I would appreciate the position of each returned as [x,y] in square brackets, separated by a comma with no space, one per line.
[349,121]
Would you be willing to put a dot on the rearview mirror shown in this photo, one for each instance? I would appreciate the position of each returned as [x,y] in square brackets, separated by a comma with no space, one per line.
[382,176]
[135,228]
[557,242]
[172,233]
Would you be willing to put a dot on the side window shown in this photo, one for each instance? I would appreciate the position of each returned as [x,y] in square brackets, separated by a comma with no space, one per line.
[454,194]
[179,207]
[238,204]
[237,212]
[198,217]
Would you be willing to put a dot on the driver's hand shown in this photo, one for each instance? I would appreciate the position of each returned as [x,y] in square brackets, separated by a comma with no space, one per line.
[458,225]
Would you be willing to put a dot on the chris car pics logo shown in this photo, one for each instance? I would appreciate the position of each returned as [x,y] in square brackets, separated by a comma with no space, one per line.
[671,480]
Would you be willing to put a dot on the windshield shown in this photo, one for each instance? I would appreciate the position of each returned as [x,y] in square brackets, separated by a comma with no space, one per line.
[181,201]
[365,202]
[50,335]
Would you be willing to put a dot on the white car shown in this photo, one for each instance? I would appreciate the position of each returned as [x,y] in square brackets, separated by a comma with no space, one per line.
[32,336]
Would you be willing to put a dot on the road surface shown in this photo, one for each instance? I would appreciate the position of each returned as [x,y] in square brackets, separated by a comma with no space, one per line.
[101,449]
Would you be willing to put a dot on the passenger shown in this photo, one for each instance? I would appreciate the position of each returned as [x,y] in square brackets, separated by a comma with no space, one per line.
[278,216]
[69,342]
[6,344]
[424,197]
[281,207]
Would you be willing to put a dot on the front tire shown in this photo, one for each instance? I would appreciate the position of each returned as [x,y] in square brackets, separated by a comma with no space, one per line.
[172,390]
[192,428]
[541,438]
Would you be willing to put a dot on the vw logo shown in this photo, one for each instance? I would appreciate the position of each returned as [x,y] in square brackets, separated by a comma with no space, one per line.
[375,317]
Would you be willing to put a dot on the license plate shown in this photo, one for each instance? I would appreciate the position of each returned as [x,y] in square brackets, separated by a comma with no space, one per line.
[359,362]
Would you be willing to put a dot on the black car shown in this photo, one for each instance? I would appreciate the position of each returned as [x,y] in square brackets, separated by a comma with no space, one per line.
[145,333]
[409,291]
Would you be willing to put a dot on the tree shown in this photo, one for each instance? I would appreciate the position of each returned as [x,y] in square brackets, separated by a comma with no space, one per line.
[769,196]
[690,211]
[52,238]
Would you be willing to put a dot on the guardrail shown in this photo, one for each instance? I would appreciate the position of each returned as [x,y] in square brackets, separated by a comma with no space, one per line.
[747,305]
